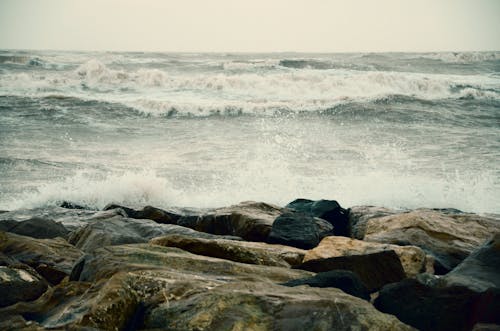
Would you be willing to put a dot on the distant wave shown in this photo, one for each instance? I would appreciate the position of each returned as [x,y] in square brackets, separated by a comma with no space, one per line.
[251,91]
[462,57]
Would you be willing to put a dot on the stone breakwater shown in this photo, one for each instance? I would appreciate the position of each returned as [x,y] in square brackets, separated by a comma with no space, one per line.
[311,265]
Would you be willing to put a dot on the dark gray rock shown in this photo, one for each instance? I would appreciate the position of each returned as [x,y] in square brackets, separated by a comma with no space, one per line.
[36,227]
[18,283]
[299,230]
[452,308]
[329,210]
[375,270]
[345,280]
[119,230]
[148,212]
[480,270]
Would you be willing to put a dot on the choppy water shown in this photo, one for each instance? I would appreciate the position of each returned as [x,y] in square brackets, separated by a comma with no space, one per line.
[207,130]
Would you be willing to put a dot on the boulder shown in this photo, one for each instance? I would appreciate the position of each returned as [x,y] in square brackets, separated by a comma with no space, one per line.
[71,219]
[249,220]
[448,237]
[360,215]
[375,270]
[413,259]
[36,227]
[52,258]
[251,306]
[121,230]
[299,230]
[238,251]
[439,308]
[109,304]
[329,210]
[480,270]
[148,212]
[18,283]
[175,262]
[345,280]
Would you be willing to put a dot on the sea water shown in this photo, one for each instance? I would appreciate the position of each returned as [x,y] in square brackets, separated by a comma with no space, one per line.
[207,130]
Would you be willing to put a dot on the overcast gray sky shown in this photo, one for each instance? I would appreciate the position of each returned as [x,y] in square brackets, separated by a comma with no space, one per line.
[251,25]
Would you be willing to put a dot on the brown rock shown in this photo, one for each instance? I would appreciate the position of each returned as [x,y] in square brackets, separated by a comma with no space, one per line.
[51,258]
[375,270]
[174,261]
[412,258]
[449,237]
[359,216]
[249,220]
[252,306]
[238,251]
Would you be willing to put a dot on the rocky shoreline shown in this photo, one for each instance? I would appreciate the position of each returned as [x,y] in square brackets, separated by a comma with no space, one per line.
[311,265]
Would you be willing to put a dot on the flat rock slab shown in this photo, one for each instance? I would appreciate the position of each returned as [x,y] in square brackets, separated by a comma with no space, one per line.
[238,251]
[448,237]
[173,261]
[375,270]
[119,230]
[413,259]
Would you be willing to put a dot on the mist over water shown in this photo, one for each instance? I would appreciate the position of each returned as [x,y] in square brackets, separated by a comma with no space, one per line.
[208,130]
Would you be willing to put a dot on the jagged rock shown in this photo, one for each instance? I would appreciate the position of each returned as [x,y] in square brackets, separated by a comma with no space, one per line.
[71,219]
[250,306]
[120,230]
[148,212]
[480,270]
[173,261]
[375,270]
[36,227]
[448,237]
[238,251]
[19,284]
[360,215]
[412,258]
[329,210]
[299,230]
[72,205]
[451,308]
[105,305]
[345,280]
[51,258]
[249,220]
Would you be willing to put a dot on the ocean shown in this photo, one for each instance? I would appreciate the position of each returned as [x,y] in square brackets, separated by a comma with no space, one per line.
[401,130]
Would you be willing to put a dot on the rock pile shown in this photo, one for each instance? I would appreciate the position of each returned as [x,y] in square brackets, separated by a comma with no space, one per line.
[311,265]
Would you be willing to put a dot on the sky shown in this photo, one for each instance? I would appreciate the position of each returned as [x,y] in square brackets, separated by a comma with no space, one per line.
[251,25]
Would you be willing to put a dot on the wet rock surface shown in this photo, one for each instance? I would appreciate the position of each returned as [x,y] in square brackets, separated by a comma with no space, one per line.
[329,210]
[449,237]
[375,270]
[238,251]
[345,280]
[52,258]
[413,259]
[299,230]
[150,268]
